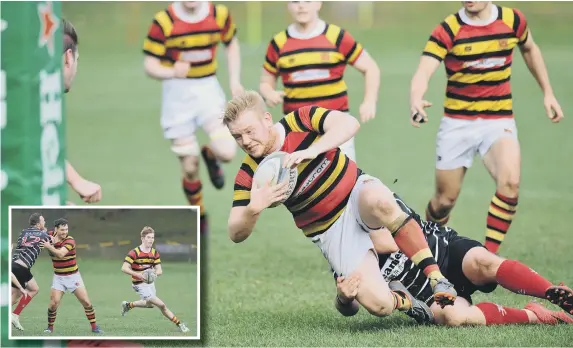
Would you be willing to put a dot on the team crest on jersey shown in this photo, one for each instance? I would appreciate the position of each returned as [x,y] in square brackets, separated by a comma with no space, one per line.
[503,43]
[325,56]
[468,48]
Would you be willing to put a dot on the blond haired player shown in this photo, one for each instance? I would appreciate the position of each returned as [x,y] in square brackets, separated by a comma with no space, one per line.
[67,278]
[476,45]
[180,50]
[310,58]
[138,260]
[334,203]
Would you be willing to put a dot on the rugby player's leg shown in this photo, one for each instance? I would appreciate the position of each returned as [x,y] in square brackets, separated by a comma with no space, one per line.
[33,288]
[55,299]
[156,301]
[448,187]
[482,267]
[81,294]
[378,208]
[187,150]
[462,313]
[222,148]
[383,241]
[503,161]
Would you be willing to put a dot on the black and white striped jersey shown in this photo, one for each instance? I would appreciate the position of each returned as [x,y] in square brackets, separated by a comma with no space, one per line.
[28,245]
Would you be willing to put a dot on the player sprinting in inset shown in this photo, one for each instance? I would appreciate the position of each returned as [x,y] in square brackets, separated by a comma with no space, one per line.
[28,249]
[136,262]
[67,276]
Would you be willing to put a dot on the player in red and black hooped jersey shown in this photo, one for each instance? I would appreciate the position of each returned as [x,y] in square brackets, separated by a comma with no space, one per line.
[139,259]
[310,58]
[181,50]
[476,45]
[67,277]
[333,203]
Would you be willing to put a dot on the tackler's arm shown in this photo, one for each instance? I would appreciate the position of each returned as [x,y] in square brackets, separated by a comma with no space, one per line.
[241,223]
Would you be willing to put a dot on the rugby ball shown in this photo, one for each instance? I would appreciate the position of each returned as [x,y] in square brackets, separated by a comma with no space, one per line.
[149,276]
[271,170]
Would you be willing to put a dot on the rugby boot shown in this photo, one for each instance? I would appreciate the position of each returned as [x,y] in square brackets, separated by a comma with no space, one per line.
[444,292]
[16,322]
[547,316]
[49,330]
[213,167]
[97,330]
[124,308]
[562,296]
[183,327]
[419,311]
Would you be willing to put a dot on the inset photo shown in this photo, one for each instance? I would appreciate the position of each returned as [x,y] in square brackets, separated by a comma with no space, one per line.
[105,272]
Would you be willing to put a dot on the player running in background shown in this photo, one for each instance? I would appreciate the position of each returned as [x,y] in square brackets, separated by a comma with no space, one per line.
[476,45]
[67,276]
[310,57]
[337,207]
[28,248]
[180,49]
[90,192]
[471,268]
[138,260]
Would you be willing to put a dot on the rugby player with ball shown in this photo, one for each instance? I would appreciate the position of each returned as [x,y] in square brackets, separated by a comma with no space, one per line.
[333,202]
[143,264]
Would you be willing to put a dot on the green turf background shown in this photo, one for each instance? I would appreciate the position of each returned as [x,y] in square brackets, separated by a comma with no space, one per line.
[275,289]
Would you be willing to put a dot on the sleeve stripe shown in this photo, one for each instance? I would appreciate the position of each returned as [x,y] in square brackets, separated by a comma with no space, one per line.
[275,46]
[154,40]
[448,31]
[516,22]
[299,122]
[339,38]
[523,39]
[351,52]
[240,187]
[321,122]
[432,55]
[438,42]
[247,169]
[241,203]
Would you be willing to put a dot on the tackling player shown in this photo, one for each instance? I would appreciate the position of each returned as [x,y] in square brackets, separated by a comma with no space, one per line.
[310,57]
[90,192]
[138,260]
[67,276]
[334,203]
[28,248]
[180,49]
[476,45]
[471,268]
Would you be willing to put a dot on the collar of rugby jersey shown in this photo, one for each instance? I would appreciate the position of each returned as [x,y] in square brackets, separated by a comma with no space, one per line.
[318,29]
[492,18]
[201,13]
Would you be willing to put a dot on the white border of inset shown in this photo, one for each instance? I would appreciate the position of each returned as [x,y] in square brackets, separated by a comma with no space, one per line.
[95,337]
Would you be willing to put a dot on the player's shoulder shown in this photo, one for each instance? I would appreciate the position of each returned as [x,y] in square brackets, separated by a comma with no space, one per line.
[511,14]
[69,239]
[279,39]
[220,9]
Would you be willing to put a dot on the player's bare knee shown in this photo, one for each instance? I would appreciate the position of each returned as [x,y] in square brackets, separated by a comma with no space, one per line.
[379,205]
[509,185]
[190,167]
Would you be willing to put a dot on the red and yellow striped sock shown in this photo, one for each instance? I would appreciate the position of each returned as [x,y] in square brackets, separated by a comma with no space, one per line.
[501,212]
[194,193]
[51,318]
[90,314]
[176,320]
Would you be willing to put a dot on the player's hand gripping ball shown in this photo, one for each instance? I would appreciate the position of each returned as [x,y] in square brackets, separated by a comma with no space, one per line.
[270,170]
[149,276]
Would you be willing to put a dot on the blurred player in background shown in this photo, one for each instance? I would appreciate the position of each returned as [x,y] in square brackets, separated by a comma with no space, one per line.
[90,192]
[28,248]
[138,260]
[180,49]
[476,45]
[334,203]
[471,268]
[310,57]
[67,276]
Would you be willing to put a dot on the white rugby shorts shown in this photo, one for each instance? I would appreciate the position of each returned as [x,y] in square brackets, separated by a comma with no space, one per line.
[67,283]
[188,104]
[347,241]
[145,291]
[459,141]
